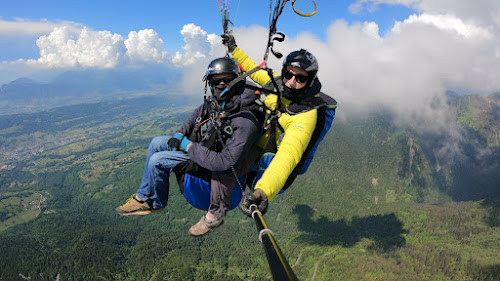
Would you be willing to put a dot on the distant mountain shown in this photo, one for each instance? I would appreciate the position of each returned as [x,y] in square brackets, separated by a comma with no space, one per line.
[480,114]
[25,95]
[122,80]
[25,88]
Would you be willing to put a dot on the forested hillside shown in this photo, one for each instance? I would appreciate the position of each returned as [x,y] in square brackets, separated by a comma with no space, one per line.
[378,202]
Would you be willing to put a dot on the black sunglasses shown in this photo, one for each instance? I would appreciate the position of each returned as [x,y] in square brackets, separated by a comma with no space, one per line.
[217,81]
[298,77]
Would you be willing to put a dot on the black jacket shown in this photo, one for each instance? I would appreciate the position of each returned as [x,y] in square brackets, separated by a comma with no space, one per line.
[245,119]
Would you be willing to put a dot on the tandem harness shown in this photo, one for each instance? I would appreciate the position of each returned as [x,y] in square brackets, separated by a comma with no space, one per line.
[326,106]
[212,129]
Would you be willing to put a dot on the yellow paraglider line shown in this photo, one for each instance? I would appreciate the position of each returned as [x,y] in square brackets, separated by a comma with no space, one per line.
[304,14]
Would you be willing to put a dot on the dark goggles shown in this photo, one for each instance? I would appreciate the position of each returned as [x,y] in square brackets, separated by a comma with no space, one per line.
[298,77]
[217,81]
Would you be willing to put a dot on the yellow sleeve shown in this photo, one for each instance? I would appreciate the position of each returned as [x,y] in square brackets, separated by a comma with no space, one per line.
[260,77]
[298,132]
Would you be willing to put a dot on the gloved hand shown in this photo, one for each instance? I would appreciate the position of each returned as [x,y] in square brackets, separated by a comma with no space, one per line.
[184,144]
[229,41]
[258,197]
[175,142]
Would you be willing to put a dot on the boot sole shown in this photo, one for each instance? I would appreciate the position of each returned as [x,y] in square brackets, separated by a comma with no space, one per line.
[140,213]
[209,230]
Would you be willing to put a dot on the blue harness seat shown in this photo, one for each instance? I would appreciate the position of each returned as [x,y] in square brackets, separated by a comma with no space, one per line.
[197,192]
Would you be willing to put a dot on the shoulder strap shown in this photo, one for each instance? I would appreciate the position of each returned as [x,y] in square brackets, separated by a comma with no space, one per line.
[195,133]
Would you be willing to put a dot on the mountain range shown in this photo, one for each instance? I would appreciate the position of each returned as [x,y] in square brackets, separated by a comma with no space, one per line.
[73,87]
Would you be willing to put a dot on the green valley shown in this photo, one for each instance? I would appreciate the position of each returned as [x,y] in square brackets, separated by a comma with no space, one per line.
[379,201]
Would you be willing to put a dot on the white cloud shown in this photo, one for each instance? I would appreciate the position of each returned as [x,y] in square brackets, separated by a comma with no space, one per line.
[447,23]
[64,47]
[25,27]
[448,45]
[145,46]
[407,71]
[372,5]
[483,12]
[198,47]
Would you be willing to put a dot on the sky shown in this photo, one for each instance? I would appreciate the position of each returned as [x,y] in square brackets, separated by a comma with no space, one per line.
[30,19]
[402,55]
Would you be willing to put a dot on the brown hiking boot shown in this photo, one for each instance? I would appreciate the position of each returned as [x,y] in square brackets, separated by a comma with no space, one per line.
[135,207]
[204,226]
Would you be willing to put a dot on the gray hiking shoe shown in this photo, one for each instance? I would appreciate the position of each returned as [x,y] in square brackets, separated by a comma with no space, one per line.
[135,207]
[204,226]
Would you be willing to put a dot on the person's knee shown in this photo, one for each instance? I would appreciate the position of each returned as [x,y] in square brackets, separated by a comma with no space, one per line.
[157,143]
[157,140]
[155,161]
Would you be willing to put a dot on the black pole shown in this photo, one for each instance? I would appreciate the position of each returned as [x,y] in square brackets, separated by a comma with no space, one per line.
[278,264]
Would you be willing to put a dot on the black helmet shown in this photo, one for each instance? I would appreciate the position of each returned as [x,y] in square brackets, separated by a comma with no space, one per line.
[303,60]
[222,65]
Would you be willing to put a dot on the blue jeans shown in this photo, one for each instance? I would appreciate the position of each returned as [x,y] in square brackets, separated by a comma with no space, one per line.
[160,162]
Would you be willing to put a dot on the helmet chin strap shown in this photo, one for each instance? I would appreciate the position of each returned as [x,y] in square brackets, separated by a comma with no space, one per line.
[219,97]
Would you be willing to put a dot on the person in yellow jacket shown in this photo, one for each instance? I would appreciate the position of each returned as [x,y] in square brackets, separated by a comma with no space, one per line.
[298,117]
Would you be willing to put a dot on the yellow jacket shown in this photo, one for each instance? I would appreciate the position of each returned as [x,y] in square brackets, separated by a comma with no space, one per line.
[298,129]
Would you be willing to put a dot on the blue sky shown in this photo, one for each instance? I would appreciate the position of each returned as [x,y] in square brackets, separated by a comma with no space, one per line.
[168,17]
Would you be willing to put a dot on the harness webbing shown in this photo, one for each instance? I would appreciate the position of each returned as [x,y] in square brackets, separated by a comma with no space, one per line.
[231,159]
[215,116]
[274,35]
[238,79]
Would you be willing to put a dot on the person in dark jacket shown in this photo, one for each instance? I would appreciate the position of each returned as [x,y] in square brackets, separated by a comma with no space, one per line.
[212,142]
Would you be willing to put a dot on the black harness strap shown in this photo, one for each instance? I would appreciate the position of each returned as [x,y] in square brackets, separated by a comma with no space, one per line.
[240,78]
[274,35]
